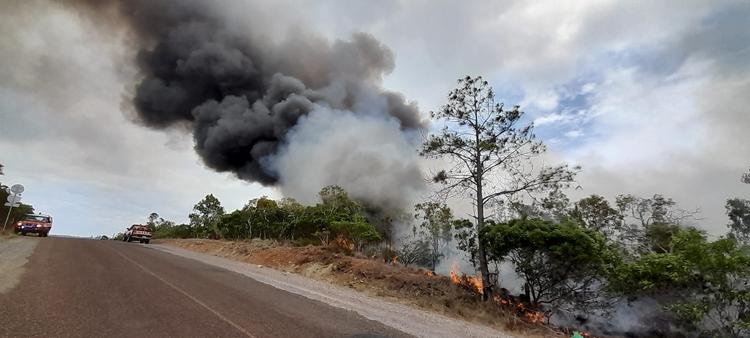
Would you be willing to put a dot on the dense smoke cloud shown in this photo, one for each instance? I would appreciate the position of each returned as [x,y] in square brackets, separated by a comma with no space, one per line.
[242,93]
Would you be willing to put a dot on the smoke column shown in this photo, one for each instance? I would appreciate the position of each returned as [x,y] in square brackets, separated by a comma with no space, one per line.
[300,113]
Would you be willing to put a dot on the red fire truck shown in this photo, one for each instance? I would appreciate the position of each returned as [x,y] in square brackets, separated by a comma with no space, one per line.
[137,232]
[35,224]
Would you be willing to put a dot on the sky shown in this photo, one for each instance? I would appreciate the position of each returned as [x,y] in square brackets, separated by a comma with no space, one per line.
[647,96]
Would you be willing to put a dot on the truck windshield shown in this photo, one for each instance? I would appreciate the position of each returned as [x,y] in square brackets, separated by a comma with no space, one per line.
[37,218]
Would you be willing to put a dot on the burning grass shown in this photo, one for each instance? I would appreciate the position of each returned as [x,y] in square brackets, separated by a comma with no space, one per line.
[455,295]
[522,310]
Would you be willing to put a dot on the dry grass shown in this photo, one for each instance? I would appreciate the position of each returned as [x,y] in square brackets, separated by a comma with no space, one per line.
[5,234]
[415,287]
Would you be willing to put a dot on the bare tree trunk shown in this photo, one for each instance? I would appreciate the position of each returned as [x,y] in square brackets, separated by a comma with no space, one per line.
[483,268]
[435,252]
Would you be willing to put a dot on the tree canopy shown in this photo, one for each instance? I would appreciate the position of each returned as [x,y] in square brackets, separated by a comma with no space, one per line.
[491,151]
[562,264]
[703,283]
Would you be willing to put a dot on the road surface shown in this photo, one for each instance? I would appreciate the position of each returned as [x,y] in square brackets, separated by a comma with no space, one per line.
[89,288]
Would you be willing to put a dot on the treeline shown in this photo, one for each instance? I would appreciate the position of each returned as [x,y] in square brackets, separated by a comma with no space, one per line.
[586,256]
[336,218]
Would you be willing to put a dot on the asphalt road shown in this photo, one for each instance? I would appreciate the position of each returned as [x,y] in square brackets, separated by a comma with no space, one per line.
[89,288]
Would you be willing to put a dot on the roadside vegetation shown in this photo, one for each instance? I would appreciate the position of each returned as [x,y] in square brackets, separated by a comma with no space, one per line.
[577,262]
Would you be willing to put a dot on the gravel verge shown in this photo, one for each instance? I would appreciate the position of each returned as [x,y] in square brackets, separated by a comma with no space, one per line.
[14,253]
[401,317]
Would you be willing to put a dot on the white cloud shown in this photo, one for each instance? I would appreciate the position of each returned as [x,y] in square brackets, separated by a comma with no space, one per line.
[550,119]
[588,88]
[573,134]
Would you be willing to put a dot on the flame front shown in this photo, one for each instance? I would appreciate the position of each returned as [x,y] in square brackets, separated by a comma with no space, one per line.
[475,283]
[454,274]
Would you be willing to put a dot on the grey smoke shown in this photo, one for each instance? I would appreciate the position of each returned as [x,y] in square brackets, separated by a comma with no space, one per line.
[242,94]
[366,155]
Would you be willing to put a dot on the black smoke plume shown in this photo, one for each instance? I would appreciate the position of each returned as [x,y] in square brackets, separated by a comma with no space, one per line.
[239,92]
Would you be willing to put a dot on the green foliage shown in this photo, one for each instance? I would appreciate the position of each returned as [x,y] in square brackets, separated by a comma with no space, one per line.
[151,220]
[483,140]
[341,217]
[357,231]
[595,212]
[436,223]
[335,217]
[562,264]
[466,236]
[169,229]
[738,211]
[708,282]
[658,237]
[205,217]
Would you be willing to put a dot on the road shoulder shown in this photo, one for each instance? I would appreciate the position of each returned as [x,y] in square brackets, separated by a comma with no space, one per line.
[401,317]
[14,254]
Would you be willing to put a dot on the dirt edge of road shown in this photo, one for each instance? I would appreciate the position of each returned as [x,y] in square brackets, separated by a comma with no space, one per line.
[412,290]
[14,253]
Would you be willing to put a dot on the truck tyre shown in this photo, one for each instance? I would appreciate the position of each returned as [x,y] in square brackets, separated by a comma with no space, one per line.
[146,241]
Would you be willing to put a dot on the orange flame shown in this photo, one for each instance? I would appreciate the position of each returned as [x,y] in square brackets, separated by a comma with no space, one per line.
[454,274]
[534,317]
[472,281]
[529,315]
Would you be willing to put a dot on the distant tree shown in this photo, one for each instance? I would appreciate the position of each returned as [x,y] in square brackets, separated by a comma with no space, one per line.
[357,230]
[562,265]
[205,217]
[657,209]
[466,238]
[640,215]
[342,218]
[415,252]
[234,224]
[151,220]
[335,203]
[595,212]
[435,223]
[292,214]
[745,177]
[738,211]
[492,153]
[265,218]
[555,206]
